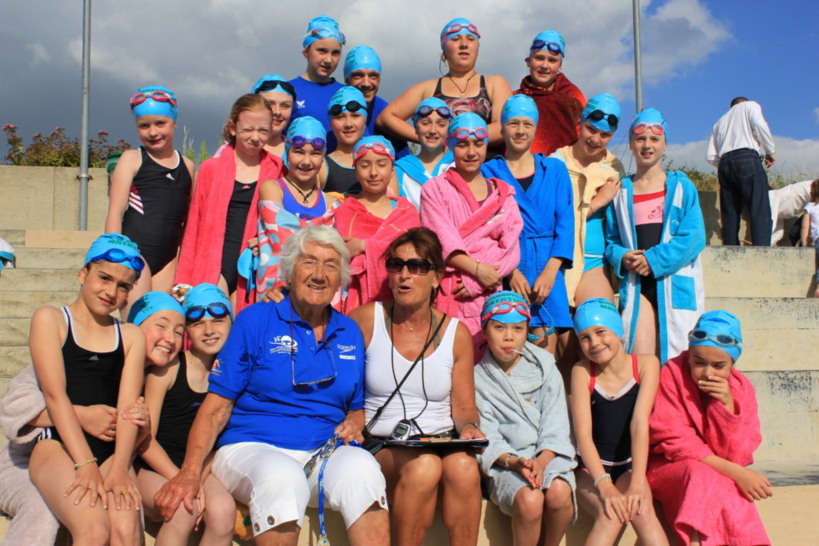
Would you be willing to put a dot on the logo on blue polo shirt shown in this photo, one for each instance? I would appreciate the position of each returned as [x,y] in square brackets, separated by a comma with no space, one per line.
[283,344]
[345,348]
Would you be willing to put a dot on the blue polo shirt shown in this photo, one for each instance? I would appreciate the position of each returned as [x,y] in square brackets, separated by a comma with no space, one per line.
[289,390]
[312,99]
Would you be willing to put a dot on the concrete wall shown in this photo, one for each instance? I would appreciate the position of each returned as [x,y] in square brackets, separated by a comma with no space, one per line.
[49,198]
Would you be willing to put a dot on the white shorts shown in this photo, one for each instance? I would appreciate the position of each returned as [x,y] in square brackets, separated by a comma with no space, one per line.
[271,482]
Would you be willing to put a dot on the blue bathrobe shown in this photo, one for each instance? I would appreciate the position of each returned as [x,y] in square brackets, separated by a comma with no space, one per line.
[548,230]
[675,262]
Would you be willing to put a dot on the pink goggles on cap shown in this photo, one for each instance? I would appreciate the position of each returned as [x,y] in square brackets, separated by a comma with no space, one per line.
[640,128]
[362,149]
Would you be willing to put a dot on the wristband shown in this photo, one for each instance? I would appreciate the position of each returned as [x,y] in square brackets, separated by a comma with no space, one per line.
[474,424]
[89,461]
[599,479]
[477,265]
[506,459]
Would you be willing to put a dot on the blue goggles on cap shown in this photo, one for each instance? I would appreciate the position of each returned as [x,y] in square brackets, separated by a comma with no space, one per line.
[723,340]
[299,141]
[215,309]
[119,256]
[552,47]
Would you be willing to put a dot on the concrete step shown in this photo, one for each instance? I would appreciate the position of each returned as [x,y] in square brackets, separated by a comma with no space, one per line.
[22,304]
[777,272]
[50,258]
[14,237]
[777,332]
[57,280]
[49,238]
[14,331]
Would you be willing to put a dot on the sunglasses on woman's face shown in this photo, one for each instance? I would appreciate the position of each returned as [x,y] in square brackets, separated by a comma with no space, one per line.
[416,266]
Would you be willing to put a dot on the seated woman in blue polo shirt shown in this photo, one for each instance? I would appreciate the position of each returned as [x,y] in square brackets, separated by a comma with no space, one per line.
[286,397]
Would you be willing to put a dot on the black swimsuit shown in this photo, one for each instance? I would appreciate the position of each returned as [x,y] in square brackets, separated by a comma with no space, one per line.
[178,411]
[235,222]
[91,378]
[480,104]
[157,208]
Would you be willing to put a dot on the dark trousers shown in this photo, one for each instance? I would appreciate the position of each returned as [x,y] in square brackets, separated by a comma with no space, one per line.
[743,181]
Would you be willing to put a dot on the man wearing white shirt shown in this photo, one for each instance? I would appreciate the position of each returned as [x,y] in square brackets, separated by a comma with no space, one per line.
[740,142]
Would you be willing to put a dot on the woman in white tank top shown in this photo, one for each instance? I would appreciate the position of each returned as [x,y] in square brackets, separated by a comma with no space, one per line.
[438,397]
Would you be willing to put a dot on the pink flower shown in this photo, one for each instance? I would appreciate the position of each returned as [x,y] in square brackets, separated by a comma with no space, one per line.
[9,127]
[59,128]
[102,133]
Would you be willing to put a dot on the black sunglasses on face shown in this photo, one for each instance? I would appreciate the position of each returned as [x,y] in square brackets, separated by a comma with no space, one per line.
[416,266]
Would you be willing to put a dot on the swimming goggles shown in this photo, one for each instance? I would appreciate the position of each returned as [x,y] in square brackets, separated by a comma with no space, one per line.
[599,115]
[416,266]
[351,106]
[426,110]
[158,96]
[458,27]
[271,85]
[197,312]
[552,47]
[324,32]
[508,307]
[463,133]
[299,141]
[723,340]
[377,147]
[119,256]
[640,128]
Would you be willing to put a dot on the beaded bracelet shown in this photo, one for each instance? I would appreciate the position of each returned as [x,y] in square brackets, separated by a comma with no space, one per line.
[605,476]
[89,461]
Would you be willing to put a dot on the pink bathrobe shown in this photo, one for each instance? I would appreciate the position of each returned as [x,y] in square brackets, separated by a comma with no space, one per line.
[683,431]
[369,277]
[487,231]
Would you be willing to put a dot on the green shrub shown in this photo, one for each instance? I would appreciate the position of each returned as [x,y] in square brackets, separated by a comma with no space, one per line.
[57,149]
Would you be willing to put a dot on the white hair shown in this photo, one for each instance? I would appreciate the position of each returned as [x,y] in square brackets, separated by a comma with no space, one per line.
[322,235]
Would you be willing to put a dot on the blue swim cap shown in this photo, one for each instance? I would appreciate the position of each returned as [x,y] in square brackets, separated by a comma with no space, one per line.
[519,106]
[361,57]
[116,248]
[273,82]
[377,144]
[718,329]
[598,312]
[154,100]
[204,296]
[649,116]
[547,37]
[431,103]
[466,126]
[151,303]
[7,256]
[459,25]
[305,130]
[340,102]
[322,27]
[601,108]
[507,307]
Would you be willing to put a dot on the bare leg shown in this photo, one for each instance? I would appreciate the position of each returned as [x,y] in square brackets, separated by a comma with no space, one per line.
[163,280]
[372,528]
[461,506]
[645,338]
[594,283]
[220,514]
[412,488]
[605,530]
[646,524]
[558,511]
[695,539]
[527,516]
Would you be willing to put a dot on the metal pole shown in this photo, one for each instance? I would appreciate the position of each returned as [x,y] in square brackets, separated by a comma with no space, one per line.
[638,67]
[86,84]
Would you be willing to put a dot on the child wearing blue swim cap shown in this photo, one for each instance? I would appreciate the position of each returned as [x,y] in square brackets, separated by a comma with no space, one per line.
[530,456]
[559,101]
[704,430]
[151,189]
[83,356]
[281,97]
[595,174]
[612,396]
[544,195]
[175,386]
[321,47]
[478,222]
[347,112]
[654,236]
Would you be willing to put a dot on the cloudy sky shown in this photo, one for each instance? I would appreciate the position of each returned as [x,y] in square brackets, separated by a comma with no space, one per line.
[697,55]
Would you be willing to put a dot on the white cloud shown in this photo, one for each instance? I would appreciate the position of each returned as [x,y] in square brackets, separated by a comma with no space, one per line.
[795,159]
[39,54]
